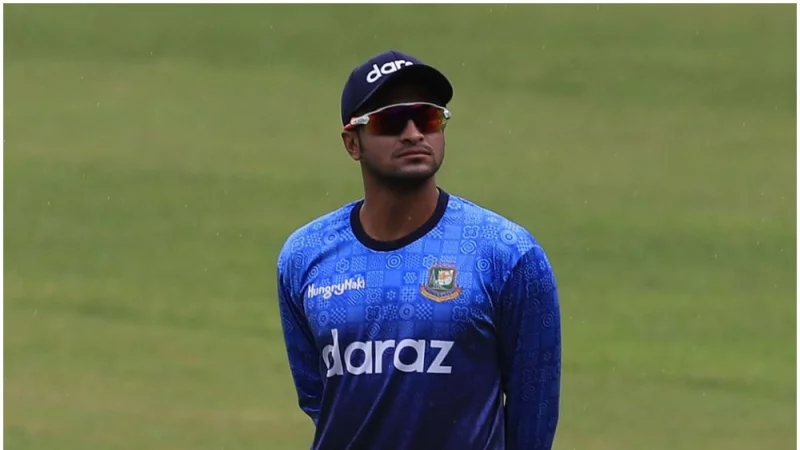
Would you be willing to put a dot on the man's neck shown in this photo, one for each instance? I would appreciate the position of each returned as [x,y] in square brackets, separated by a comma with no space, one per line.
[389,214]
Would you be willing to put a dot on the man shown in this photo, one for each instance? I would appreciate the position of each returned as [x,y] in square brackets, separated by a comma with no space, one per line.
[413,318]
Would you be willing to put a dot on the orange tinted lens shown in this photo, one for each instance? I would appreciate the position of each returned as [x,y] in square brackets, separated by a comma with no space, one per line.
[433,120]
[392,121]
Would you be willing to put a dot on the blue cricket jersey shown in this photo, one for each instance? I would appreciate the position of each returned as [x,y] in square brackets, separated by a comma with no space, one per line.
[448,339]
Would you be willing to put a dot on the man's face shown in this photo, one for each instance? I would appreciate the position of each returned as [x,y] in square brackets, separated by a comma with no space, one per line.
[406,158]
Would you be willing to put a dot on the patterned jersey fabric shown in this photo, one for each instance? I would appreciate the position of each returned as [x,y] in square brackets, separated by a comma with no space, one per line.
[448,339]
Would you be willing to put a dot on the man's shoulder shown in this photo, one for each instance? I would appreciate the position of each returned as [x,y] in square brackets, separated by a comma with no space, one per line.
[500,243]
[312,234]
[492,228]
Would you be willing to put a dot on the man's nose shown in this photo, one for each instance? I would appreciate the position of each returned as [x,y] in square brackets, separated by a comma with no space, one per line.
[411,133]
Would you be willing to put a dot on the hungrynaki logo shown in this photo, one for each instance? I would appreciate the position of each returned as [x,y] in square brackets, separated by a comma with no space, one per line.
[370,356]
[336,289]
[386,68]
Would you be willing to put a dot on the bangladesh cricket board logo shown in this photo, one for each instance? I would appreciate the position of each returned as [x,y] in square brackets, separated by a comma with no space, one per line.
[441,284]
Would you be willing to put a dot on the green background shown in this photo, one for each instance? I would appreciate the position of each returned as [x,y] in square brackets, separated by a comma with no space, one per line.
[156,157]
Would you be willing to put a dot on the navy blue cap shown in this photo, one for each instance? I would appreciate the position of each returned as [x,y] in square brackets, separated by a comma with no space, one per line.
[366,79]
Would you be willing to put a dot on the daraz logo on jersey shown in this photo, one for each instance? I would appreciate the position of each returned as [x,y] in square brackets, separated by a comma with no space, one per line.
[371,357]
[336,289]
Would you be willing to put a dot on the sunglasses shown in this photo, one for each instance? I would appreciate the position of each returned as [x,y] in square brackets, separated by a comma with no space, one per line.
[391,120]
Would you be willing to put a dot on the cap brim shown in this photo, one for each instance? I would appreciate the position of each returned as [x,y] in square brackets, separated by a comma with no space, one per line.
[434,81]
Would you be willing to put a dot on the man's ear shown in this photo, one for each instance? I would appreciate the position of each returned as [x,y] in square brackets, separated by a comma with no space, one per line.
[352,144]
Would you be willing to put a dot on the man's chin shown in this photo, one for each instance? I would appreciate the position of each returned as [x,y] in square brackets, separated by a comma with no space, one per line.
[408,179]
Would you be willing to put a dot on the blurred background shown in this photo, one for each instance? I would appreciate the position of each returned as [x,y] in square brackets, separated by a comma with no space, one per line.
[157,156]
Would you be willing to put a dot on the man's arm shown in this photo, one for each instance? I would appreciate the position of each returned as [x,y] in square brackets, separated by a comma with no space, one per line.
[301,350]
[530,338]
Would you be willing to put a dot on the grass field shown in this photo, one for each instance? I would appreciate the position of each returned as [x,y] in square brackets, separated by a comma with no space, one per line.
[156,157]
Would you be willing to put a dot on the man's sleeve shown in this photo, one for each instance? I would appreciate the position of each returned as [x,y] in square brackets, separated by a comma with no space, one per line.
[530,338]
[301,350]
